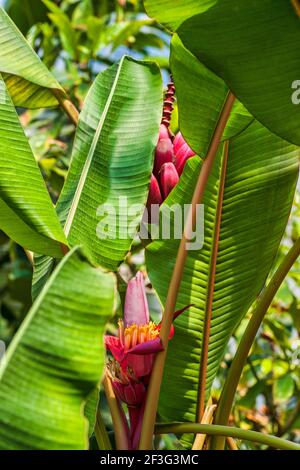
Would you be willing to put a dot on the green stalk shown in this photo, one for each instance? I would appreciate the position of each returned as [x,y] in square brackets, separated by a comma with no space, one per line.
[67,106]
[216,430]
[101,433]
[120,425]
[296,6]
[240,358]
[175,282]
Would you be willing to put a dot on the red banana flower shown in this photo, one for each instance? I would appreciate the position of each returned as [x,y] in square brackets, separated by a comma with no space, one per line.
[182,152]
[133,353]
[164,149]
[126,385]
[171,155]
[154,195]
[169,162]
[168,178]
[138,338]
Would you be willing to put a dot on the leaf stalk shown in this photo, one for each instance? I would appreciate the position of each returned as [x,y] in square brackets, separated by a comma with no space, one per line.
[174,286]
[217,430]
[67,106]
[211,289]
[118,417]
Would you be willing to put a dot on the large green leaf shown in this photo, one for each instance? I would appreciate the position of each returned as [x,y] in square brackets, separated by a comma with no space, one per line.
[56,360]
[42,269]
[172,14]
[121,172]
[90,409]
[260,180]
[254,46]
[26,211]
[112,160]
[67,32]
[28,80]
[201,95]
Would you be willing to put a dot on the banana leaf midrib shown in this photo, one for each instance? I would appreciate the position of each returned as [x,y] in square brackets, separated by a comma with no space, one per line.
[254,214]
[211,285]
[87,164]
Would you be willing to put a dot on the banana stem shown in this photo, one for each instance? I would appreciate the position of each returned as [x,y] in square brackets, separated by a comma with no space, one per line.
[216,430]
[120,424]
[67,106]
[101,433]
[174,286]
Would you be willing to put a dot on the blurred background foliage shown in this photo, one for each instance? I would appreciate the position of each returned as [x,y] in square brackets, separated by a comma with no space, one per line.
[77,39]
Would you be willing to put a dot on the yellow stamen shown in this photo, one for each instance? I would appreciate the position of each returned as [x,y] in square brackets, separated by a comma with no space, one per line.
[121,331]
[134,338]
[127,340]
[143,337]
[135,334]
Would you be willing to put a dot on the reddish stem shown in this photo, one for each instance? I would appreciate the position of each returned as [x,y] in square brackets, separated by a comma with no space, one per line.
[136,421]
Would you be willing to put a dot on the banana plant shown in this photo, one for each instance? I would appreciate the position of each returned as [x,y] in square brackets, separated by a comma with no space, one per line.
[223,180]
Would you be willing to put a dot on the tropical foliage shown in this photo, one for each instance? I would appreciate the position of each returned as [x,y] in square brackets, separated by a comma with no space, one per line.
[117,118]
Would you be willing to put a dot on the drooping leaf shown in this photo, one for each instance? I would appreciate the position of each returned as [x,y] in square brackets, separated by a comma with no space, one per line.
[65,28]
[112,161]
[254,46]
[201,95]
[122,172]
[118,33]
[42,269]
[26,211]
[171,14]
[249,399]
[90,409]
[82,12]
[283,388]
[28,80]
[56,360]
[259,183]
